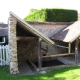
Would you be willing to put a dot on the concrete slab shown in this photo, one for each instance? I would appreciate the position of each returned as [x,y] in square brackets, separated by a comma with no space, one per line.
[24,69]
[69,60]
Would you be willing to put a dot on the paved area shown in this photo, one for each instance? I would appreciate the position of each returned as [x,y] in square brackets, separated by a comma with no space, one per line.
[24,69]
[69,60]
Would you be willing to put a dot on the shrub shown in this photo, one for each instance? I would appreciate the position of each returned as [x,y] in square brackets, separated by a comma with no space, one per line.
[53,15]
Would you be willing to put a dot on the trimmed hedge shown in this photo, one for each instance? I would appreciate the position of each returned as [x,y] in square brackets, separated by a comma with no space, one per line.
[53,15]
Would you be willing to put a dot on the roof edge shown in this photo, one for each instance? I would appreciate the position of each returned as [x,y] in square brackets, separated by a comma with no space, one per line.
[31,29]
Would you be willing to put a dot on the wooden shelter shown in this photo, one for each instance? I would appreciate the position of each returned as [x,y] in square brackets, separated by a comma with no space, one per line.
[15,22]
[69,35]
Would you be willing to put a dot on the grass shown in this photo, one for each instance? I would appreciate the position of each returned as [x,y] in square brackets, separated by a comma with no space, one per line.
[67,73]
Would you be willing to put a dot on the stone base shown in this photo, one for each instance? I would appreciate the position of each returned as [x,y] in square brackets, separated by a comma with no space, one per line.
[14,68]
[14,71]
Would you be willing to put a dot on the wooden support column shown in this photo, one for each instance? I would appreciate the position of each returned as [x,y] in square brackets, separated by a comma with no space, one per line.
[13,46]
[69,48]
[76,50]
[46,49]
[39,55]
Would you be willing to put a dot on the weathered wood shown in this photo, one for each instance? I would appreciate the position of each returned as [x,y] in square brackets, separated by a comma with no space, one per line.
[25,38]
[76,50]
[39,55]
[69,48]
[46,49]
[57,55]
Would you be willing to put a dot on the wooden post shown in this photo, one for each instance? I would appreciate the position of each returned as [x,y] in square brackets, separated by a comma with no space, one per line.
[58,55]
[46,49]
[76,51]
[39,55]
[69,47]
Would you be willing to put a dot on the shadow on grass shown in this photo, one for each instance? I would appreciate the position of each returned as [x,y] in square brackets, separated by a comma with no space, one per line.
[4,74]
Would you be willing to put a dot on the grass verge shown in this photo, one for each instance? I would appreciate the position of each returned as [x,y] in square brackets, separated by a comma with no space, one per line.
[67,73]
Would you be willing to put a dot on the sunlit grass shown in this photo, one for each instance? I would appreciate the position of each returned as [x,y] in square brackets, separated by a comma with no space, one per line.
[67,73]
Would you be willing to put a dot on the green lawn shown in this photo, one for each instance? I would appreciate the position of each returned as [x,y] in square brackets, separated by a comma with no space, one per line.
[68,73]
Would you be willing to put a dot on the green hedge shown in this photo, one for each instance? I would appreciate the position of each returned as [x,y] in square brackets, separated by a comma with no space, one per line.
[53,15]
[39,15]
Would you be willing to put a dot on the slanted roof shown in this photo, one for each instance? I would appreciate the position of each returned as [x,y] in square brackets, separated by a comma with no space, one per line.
[3,29]
[31,29]
[69,34]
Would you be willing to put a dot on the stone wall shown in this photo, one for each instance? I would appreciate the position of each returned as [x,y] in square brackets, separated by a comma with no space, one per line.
[54,49]
[13,46]
[28,50]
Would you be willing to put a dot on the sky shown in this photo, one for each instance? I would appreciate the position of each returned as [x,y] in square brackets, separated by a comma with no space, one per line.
[22,7]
